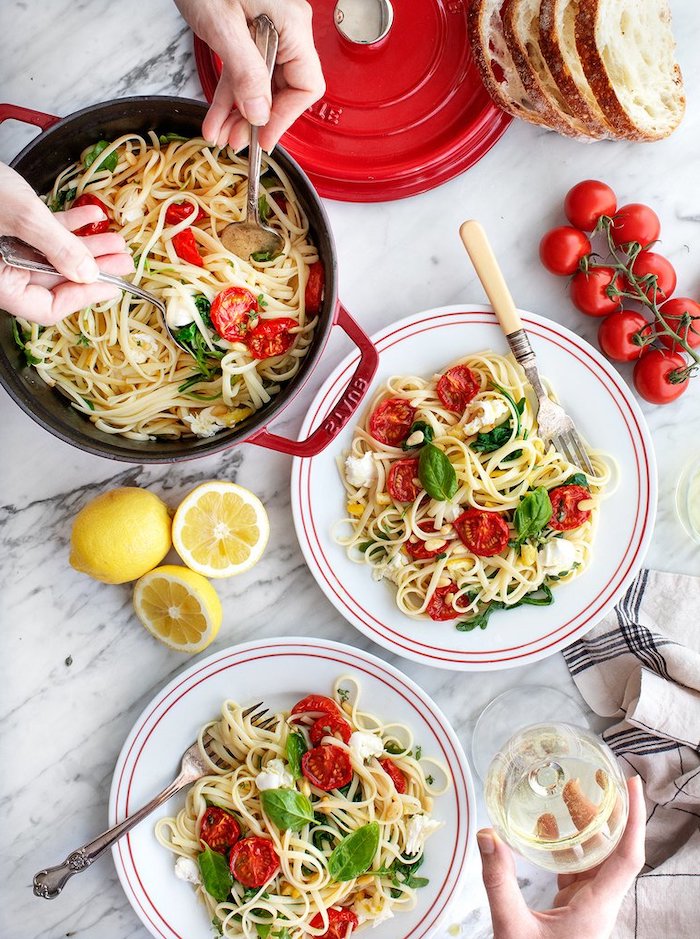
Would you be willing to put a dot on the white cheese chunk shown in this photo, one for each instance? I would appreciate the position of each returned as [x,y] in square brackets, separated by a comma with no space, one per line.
[179,310]
[186,868]
[363,745]
[452,511]
[274,776]
[360,471]
[144,347]
[417,830]
[203,424]
[557,556]
[392,569]
[484,415]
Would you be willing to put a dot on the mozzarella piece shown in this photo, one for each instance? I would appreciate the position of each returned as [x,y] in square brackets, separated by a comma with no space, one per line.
[484,415]
[360,471]
[452,511]
[274,776]
[186,868]
[417,830]
[557,556]
[363,745]
[392,569]
[180,310]
[144,347]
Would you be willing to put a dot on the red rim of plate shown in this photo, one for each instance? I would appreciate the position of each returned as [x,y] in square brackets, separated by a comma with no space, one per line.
[347,657]
[399,117]
[395,640]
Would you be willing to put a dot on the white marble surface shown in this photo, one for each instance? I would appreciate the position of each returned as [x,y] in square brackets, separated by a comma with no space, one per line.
[63,724]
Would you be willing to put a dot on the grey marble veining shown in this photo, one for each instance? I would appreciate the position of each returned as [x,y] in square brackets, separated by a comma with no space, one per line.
[63,724]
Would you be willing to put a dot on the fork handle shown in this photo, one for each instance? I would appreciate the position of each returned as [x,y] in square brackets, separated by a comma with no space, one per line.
[50,882]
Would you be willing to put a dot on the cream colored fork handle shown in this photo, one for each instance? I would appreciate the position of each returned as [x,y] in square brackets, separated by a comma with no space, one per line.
[490,275]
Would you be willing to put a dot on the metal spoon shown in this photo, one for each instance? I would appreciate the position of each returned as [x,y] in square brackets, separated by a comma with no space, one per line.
[252,235]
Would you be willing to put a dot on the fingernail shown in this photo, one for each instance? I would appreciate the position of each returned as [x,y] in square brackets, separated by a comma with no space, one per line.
[257,111]
[486,842]
[87,270]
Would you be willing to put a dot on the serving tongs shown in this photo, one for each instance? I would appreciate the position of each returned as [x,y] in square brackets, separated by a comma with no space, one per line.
[555,425]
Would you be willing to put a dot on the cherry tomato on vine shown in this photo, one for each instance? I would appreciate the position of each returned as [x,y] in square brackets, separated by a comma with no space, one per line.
[655,376]
[341,923]
[649,263]
[683,316]
[561,250]
[93,228]
[635,222]
[587,201]
[589,291]
[616,336]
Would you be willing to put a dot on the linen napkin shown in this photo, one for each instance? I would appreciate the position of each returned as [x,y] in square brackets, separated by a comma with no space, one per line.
[642,664]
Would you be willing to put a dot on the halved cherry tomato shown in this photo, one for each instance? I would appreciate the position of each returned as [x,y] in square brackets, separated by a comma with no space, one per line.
[565,511]
[316,704]
[254,861]
[635,222]
[178,211]
[230,312]
[587,201]
[484,533]
[327,767]
[418,550]
[186,248]
[271,337]
[219,829]
[654,376]
[616,336]
[313,294]
[439,607]
[391,421]
[400,482]
[328,726]
[94,228]
[589,291]
[395,774]
[562,248]
[341,923]
[650,263]
[683,316]
[457,387]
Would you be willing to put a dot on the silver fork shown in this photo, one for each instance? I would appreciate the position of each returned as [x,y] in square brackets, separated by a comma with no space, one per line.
[555,425]
[50,882]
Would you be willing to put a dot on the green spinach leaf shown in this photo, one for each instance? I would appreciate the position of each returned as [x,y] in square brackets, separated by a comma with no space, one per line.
[62,197]
[436,473]
[109,162]
[296,748]
[354,854]
[217,879]
[287,808]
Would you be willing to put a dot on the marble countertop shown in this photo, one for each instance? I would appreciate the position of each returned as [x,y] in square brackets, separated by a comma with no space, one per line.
[78,668]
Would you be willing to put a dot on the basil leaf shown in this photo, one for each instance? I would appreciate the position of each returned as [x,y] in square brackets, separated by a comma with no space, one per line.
[167,138]
[21,344]
[425,429]
[263,930]
[217,878]
[395,749]
[436,473]
[263,208]
[62,196]
[578,479]
[296,748]
[533,513]
[262,256]
[109,162]
[354,854]
[287,808]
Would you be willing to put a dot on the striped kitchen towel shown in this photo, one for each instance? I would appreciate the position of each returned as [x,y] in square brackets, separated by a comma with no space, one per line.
[641,664]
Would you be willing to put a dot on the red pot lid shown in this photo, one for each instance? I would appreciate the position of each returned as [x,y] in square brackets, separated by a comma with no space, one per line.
[400,116]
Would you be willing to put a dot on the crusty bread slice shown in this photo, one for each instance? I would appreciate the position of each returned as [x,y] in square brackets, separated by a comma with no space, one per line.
[558,45]
[628,55]
[521,29]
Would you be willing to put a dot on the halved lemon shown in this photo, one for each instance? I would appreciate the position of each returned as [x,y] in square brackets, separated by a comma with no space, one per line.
[220,529]
[179,607]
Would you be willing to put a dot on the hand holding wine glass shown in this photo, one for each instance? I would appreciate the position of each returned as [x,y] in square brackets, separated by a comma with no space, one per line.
[587,903]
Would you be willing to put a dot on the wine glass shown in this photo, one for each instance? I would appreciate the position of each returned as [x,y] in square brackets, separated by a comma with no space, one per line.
[554,792]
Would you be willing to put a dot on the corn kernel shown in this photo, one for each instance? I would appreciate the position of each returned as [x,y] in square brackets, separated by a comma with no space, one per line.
[355,509]
[528,554]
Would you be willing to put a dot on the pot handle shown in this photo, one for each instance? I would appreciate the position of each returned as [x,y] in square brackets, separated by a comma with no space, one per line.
[345,406]
[27,116]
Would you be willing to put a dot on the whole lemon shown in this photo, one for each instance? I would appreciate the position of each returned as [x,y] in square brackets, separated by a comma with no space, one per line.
[120,535]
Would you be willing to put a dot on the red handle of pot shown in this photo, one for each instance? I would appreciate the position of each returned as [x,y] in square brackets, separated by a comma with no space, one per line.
[27,116]
[345,406]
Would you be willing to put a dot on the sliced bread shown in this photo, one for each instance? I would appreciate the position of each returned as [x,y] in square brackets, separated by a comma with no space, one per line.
[627,52]
[521,28]
[558,45]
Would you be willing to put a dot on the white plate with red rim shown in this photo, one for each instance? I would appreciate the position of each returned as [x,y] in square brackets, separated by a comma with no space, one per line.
[606,414]
[293,667]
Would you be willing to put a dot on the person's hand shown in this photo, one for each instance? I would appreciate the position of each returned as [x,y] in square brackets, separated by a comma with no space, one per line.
[244,83]
[44,298]
[586,905]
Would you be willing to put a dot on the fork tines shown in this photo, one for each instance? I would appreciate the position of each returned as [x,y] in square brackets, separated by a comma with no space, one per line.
[257,716]
[571,445]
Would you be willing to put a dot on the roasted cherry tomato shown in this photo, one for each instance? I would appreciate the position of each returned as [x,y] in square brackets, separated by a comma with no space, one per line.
[400,481]
[457,387]
[439,606]
[219,829]
[94,228]
[395,774]
[561,250]
[587,201]
[565,507]
[391,421]
[589,291]
[271,337]
[635,222]
[178,211]
[341,923]
[313,294]
[327,767]
[484,533]
[254,861]
[329,725]
[417,549]
[683,316]
[655,376]
[616,335]
[230,312]
[316,704]
[186,248]
[649,263]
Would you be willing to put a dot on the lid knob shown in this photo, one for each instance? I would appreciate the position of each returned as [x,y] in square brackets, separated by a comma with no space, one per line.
[363,22]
